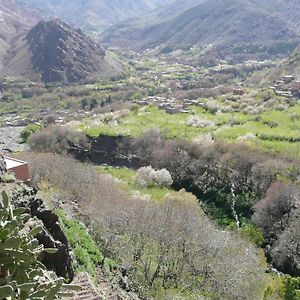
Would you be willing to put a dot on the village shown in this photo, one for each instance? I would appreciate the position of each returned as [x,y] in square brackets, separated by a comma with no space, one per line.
[170,106]
[287,87]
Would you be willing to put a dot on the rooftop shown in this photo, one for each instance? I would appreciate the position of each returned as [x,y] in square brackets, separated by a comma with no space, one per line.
[13,163]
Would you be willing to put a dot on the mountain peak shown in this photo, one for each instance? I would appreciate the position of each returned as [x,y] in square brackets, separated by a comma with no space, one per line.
[56,52]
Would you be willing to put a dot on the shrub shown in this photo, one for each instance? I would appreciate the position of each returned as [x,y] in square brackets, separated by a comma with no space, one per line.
[57,140]
[247,137]
[291,288]
[253,233]
[147,176]
[28,130]
[204,140]
[50,119]
[7,178]
[197,122]
[135,108]
[27,93]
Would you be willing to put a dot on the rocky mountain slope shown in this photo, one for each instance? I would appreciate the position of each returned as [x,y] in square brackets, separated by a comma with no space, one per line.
[92,15]
[289,66]
[215,23]
[11,25]
[52,51]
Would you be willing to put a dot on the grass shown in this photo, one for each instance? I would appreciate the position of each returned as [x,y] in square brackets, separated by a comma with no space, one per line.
[134,124]
[127,176]
[86,251]
[276,131]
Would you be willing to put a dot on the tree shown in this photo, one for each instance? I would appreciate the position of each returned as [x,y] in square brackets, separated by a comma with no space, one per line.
[146,144]
[285,251]
[273,211]
[57,139]
[147,176]
[93,103]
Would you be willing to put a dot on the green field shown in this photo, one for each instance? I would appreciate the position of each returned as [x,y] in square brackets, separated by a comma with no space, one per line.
[277,131]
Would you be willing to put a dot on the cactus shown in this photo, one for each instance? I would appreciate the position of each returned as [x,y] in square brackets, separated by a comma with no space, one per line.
[22,276]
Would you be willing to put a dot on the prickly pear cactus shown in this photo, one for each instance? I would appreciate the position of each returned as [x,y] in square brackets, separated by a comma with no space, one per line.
[22,276]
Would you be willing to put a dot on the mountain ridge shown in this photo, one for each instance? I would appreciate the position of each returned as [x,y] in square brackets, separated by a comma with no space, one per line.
[11,26]
[91,15]
[216,22]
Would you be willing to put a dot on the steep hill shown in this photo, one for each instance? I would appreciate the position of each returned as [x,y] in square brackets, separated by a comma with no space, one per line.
[289,66]
[55,52]
[212,22]
[92,15]
[11,25]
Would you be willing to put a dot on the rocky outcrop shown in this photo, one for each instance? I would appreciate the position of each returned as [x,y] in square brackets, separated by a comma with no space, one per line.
[52,235]
[9,139]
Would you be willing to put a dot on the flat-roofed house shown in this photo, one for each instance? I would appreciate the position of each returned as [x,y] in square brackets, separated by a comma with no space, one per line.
[288,78]
[18,167]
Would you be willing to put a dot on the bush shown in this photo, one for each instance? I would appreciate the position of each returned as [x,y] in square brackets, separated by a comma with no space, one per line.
[253,233]
[291,288]
[28,130]
[205,140]
[27,93]
[7,178]
[247,137]
[197,122]
[57,140]
[147,176]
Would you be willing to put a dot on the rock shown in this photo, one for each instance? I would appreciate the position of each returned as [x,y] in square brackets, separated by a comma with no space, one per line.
[52,235]
[9,139]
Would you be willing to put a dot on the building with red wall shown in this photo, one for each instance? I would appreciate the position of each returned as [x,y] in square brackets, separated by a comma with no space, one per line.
[18,167]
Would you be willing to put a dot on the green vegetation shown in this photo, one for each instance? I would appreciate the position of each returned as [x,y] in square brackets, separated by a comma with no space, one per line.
[22,275]
[224,151]
[87,253]
[291,288]
[253,233]
[7,178]
[28,130]
[282,137]
[157,242]
[126,179]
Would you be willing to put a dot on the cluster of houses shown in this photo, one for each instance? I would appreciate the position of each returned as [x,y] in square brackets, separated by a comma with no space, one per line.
[171,106]
[287,87]
[60,118]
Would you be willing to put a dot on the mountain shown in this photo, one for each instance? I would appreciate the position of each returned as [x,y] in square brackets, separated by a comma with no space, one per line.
[52,51]
[11,25]
[92,15]
[233,23]
[289,66]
